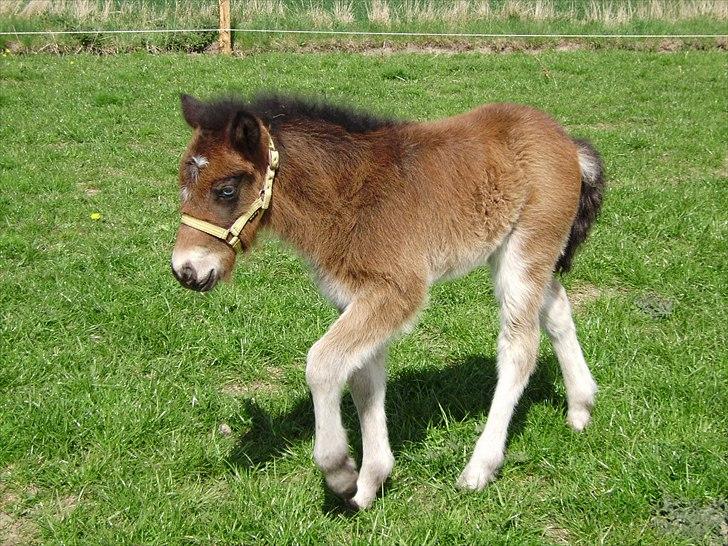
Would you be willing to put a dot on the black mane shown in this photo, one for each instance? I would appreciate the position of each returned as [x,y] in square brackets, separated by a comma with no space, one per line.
[276,110]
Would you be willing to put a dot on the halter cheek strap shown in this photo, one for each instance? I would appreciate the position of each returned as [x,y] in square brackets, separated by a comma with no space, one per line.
[232,235]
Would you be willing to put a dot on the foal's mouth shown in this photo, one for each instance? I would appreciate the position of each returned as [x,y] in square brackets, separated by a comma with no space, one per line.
[208,283]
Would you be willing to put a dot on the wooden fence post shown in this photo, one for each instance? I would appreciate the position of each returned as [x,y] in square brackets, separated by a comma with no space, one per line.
[225,42]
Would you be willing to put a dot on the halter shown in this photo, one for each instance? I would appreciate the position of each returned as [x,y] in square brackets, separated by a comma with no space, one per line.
[232,235]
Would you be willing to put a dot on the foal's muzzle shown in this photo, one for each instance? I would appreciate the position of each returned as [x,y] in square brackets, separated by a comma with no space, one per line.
[188,278]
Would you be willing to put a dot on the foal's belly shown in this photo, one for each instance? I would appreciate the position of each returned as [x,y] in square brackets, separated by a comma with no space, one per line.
[453,263]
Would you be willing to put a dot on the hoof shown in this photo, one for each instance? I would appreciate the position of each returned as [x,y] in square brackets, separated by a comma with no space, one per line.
[578,419]
[342,481]
[474,479]
[351,504]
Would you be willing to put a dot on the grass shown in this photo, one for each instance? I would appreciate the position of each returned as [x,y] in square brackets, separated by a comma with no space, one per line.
[115,381]
[433,16]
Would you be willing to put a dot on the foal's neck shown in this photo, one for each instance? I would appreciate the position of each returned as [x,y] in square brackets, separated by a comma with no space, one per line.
[315,192]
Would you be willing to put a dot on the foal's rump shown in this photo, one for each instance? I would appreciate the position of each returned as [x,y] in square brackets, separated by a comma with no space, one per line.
[563,176]
[506,165]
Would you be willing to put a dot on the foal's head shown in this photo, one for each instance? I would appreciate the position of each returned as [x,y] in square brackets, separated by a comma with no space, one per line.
[221,175]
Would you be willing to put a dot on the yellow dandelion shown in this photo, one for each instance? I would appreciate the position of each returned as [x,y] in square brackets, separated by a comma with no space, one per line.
[96,216]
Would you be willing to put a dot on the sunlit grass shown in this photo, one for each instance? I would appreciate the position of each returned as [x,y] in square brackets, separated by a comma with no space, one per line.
[115,381]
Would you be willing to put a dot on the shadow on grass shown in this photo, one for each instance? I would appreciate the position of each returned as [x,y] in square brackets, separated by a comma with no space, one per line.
[416,400]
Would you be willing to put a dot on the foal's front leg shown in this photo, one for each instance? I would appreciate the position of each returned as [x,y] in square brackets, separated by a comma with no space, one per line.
[368,387]
[352,343]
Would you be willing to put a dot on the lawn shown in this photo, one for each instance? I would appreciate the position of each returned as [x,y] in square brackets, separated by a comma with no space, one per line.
[115,381]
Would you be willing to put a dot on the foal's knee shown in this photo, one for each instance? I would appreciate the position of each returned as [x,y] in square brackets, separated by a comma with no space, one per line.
[323,366]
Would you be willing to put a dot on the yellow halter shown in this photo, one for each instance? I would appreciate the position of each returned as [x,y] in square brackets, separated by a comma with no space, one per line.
[232,235]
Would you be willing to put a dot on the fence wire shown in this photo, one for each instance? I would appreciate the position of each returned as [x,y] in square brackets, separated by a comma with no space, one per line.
[354,33]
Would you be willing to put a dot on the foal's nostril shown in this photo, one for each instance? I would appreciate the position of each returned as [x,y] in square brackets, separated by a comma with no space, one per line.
[186,275]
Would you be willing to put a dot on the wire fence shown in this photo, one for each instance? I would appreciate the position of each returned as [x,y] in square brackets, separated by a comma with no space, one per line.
[358,33]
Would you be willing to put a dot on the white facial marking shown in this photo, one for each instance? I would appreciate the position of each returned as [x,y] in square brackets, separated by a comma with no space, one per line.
[200,160]
[200,259]
[194,164]
[184,194]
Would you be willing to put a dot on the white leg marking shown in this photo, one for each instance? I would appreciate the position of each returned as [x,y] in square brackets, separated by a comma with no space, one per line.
[368,387]
[557,322]
[517,348]
[327,370]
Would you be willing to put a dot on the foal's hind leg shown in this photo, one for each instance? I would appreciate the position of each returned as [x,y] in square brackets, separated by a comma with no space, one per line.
[368,387]
[519,287]
[557,322]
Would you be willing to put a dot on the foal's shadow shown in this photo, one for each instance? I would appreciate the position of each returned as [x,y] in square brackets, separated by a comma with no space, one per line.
[416,400]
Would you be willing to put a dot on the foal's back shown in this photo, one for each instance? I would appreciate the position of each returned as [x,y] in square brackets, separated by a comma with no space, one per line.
[476,175]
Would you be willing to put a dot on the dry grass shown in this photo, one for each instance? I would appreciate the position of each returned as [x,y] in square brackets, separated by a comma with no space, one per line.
[537,10]
[255,8]
[618,13]
[382,12]
[419,11]
[457,12]
[343,11]
[317,15]
[378,12]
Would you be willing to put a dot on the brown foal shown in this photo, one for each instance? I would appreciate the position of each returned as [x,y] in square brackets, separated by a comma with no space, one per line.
[382,209]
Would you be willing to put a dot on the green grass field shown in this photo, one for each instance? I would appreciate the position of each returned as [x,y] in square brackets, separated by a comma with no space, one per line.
[114,380]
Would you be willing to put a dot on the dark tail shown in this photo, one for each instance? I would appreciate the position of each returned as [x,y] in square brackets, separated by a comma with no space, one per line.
[590,201]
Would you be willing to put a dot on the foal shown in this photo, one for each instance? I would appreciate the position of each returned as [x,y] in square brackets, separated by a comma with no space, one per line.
[382,209]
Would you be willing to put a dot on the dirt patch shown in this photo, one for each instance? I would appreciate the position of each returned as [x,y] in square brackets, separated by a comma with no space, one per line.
[431,46]
[259,386]
[669,45]
[723,173]
[556,534]
[235,389]
[15,531]
[702,524]
[18,512]
[581,295]
[8,499]
[66,505]
[16,526]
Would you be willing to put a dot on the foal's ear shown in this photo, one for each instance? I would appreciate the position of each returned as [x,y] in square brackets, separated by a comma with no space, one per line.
[191,110]
[245,133]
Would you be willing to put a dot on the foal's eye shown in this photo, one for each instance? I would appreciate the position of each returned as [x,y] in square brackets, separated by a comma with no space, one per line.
[227,192]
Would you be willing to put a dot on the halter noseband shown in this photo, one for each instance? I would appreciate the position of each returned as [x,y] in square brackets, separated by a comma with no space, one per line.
[232,235]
